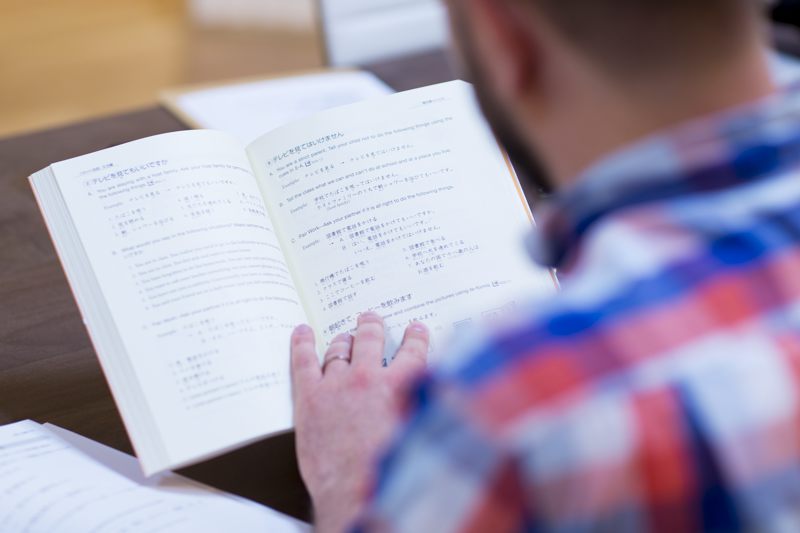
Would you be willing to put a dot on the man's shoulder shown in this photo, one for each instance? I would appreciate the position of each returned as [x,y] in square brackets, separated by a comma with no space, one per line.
[565,392]
[497,375]
[650,285]
[636,311]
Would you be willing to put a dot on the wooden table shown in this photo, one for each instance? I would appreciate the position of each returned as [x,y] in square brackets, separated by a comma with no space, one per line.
[48,369]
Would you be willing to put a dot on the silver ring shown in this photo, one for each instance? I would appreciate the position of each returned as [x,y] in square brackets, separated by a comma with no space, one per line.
[332,358]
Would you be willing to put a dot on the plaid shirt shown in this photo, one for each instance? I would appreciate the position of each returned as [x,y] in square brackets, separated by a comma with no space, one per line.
[660,390]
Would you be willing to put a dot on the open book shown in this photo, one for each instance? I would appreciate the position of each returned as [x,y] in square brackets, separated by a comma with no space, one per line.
[55,481]
[192,258]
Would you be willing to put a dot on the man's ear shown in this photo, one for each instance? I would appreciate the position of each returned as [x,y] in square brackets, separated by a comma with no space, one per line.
[504,37]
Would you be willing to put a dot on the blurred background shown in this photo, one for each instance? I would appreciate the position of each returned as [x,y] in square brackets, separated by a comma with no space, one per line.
[67,60]
[62,61]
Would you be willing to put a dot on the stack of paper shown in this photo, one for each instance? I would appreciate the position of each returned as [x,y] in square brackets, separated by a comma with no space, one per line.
[249,110]
[54,481]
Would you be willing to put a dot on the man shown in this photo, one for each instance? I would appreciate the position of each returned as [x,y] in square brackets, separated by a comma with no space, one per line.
[660,390]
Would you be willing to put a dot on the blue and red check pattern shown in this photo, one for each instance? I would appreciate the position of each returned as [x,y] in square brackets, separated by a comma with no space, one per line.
[660,390]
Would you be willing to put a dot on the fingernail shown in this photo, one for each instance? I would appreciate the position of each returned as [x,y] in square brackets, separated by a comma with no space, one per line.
[372,315]
[342,337]
[302,329]
[419,327]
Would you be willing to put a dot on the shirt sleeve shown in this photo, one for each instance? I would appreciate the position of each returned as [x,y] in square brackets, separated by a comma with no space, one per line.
[610,462]
[445,474]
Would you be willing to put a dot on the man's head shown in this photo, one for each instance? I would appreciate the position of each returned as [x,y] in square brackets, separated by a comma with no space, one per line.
[573,79]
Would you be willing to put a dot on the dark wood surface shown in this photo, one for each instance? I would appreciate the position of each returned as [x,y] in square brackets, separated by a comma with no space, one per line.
[48,369]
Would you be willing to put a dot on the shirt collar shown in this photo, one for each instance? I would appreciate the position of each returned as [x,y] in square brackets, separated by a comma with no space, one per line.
[712,153]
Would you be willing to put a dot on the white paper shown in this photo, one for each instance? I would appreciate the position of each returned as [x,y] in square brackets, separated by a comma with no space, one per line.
[54,481]
[406,206]
[249,110]
[359,32]
[188,262]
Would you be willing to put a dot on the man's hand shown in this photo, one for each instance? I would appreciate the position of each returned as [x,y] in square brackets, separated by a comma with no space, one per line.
[346,410]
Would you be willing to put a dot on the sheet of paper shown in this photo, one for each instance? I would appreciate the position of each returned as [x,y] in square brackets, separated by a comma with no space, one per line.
[359,32]
[249,110]
[186,258]
[54,481]
[406,206]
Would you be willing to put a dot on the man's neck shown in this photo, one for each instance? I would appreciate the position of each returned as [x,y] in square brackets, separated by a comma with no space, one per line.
[604,119]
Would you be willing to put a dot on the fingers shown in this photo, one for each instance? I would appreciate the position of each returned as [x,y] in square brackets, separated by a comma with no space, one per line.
[365,348]
[337,357]
[412,355]
[369,339]
[305,364]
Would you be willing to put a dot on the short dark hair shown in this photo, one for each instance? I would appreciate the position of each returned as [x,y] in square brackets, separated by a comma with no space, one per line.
[633,35]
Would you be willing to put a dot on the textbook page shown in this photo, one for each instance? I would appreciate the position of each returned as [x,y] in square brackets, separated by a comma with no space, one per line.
[54,481]
[186,259]
[406,206]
